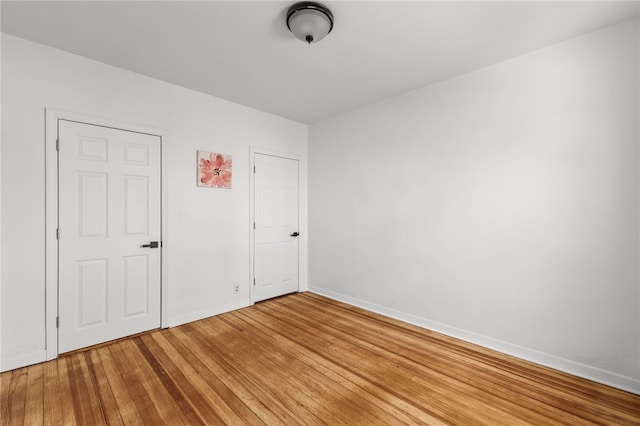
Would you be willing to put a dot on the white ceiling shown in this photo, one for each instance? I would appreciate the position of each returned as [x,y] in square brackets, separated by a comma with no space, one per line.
[242,51]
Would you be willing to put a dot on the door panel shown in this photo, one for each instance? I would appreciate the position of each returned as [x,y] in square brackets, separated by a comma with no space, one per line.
[92,202]
[92,292]
[276,217]
[136,285]
[136,208]
[109,205]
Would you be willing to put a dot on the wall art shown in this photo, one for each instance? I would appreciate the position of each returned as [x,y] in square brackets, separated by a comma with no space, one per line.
[214,170]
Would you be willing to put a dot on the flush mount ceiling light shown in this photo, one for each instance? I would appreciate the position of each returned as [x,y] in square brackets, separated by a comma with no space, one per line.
[309,21]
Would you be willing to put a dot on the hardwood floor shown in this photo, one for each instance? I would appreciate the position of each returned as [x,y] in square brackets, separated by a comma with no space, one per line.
[303,359]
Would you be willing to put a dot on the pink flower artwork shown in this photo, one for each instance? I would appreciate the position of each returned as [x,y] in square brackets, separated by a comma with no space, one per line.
[214,170]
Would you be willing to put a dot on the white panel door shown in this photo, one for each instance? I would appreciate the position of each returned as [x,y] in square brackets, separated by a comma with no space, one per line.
[276,226]
[109,207]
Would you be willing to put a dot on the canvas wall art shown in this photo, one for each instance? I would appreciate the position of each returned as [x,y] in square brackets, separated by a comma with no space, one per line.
[214,170]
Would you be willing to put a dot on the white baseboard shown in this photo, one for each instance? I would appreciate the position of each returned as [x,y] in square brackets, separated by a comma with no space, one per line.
[206,313]
[577,369]
[41,355]
[24,360]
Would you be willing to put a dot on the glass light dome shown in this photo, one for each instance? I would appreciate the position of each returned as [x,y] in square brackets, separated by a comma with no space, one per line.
[309,21]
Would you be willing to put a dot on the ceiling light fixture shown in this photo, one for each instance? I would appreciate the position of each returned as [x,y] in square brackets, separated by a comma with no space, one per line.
[309,21]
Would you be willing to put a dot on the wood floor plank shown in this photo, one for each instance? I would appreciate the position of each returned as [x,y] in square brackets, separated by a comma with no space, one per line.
[144,406]
[53,401]
[261,380]
[455,369]
[246,391]
[34,397]
[17,394]
[511,382]
[100,380]
[66,399]
[315,356]
[271,356]
[553,388]
[127,409]
[5,382]
[388,369]
[160,396]
[88,410]
[196,399]
[303,359]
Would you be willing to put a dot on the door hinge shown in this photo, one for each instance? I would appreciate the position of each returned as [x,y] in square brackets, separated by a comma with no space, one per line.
[57,233]
[57,144]
[254,281]
[57,322]
[254,225]
[254,169]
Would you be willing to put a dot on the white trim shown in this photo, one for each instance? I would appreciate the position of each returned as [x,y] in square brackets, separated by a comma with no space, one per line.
[24,360]
[51,220]
[51,215]
[206,313]
[164,238]
[577,369]
[303,244]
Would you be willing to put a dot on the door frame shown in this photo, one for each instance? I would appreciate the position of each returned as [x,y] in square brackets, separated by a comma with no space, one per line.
[52,117]
[303,241]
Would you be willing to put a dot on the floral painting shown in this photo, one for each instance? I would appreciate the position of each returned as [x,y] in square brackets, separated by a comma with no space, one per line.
[214,170]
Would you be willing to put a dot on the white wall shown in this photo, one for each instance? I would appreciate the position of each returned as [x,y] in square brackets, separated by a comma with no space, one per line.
[500,206]
[207,229]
